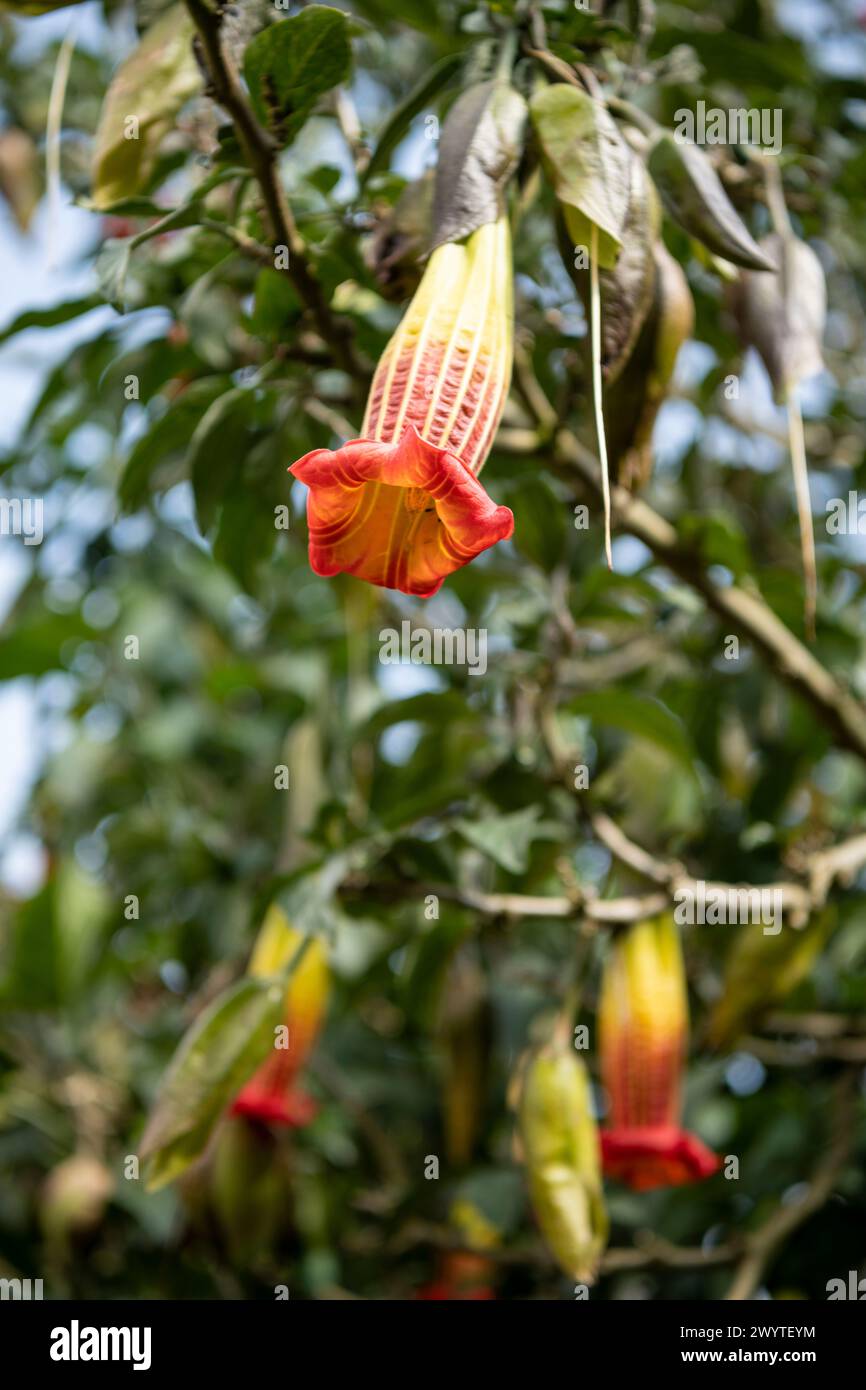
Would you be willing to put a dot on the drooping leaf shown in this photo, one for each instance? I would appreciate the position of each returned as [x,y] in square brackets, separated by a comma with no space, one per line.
[694,197]
[588,164]
[20,174]
[291,64]
[782,316]
[626,289]
[144,97]
[783,319]
[221,1050]
[478,152]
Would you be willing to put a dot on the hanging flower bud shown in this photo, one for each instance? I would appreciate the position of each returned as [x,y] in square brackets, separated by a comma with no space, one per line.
[464,1033]
[633,401]
[643,1026]
[402,506]
[271,1094]
[762,970]
[560,1147]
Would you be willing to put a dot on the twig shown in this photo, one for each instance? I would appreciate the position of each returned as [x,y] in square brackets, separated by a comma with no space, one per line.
[336,423]
[799,901]
[612,910]
[649,1250]
[633,856]
[762,1245]
[261,152]
[247,245]
[816,1025]
[743,608]
[805,1051]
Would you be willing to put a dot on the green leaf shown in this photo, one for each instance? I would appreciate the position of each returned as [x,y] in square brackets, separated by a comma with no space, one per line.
[291,64]
[144,97]
[32,646]
[219,1053]
[637,714]
[113,260]
[112,264]
[309,898]
[587,161]
[275,304]
[507,839]
[216,451]
[246,533]
[402,116]
[694,197]
[718,538]
[540,534]
[81,910]
[30,954]
[168,437]
[37,6]
[49,318]
[481,143]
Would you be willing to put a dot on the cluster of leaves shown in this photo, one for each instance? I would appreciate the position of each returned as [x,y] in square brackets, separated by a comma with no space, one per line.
[164,832]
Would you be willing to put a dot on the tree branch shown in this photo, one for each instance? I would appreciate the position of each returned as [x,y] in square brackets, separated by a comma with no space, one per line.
[262,152]
[762,1245]
[745,609]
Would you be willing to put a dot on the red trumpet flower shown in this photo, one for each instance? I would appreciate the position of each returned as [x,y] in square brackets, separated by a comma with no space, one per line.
[272,1096]
[402,506]
[643,1025]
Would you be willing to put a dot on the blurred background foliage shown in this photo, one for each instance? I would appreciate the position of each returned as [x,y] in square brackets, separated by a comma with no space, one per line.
[155,776]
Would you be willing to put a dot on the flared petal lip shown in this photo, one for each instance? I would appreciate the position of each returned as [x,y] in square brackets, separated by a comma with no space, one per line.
[443,1292]
[292,1110]
[645,1157]
[469,520]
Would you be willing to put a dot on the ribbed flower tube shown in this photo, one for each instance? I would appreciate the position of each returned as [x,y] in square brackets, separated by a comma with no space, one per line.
[402,506]
[643,1030]
[272,1095]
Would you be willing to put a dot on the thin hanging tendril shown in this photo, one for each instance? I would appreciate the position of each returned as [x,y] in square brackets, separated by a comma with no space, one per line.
[53,122]
[800,470]
[595,339]
[796,437]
